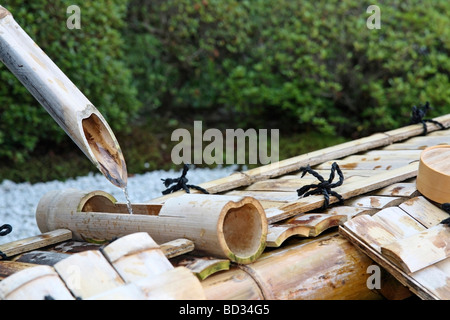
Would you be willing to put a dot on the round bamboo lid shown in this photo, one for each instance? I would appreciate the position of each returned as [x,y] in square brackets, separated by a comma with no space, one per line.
[433,177]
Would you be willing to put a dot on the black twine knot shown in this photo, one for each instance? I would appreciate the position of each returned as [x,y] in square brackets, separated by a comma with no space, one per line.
[446,208]
[180,183]
[418,114]
[324,186]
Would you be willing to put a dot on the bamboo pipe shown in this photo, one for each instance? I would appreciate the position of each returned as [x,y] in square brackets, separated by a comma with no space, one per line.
[326,268]
[230,227]
[62,99]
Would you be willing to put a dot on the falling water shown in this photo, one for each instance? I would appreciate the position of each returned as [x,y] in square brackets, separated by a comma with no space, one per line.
[130,208]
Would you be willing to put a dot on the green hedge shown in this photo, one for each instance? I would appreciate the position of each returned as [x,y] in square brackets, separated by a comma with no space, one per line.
[92,57]
[310,64]
[303,65]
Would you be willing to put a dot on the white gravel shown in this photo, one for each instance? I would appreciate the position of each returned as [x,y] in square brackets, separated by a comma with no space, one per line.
[18,201]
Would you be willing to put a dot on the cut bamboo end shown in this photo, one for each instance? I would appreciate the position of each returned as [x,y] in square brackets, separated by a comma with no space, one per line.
[230,227]
[3,12]
[433,178]
[105,149]
[73,199]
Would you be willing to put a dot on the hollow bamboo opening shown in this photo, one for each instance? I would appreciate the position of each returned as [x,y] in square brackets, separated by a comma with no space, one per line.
[103,147]
[242,231]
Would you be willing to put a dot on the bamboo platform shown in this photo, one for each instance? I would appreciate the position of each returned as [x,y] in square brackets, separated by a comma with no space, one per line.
[306,253]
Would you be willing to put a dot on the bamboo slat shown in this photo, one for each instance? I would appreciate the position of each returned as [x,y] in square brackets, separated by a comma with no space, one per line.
[420,250]
[177,247]
[37,283]
[136,256]
[347,191]
[308,225]
[409,243]
[87,274]
[202,267]
[424,211]
[375,202]
[176,284]
[31,243]
[405,189]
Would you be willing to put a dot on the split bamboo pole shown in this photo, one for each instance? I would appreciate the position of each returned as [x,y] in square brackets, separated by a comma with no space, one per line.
[326,268]
[136,256]
[73,112]
[36,283]
[230,227]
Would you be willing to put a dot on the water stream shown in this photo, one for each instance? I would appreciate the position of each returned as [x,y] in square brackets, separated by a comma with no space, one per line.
[130,208]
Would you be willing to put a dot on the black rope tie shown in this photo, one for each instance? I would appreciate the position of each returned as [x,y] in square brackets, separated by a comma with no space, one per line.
[418,114]
[324,187]
[4,230]
[180,183]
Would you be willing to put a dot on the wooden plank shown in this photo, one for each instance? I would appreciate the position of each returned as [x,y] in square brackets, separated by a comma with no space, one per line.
[349,211]
[289,185]
[45,239]
[419,143]
[307,225]
[420,250]
[436,279]
[398,222]
[278,196]
[371,231]
[326,172]
[347,191]
[382,155]
[424,211]
[401,189]
[384,164]
[376,202]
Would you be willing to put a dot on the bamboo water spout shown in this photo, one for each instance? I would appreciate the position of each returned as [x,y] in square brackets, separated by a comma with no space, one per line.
[62,99]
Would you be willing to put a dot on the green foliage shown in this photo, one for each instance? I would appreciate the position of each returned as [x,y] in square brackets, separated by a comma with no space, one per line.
[92,57]
[313,64]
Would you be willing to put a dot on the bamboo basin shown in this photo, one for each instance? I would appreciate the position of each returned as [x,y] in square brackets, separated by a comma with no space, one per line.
[433,178]
[231,227]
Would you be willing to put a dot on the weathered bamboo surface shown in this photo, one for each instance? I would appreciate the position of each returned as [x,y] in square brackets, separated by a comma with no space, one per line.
[132,267]
[410,242]
[230,227]
[306,258]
